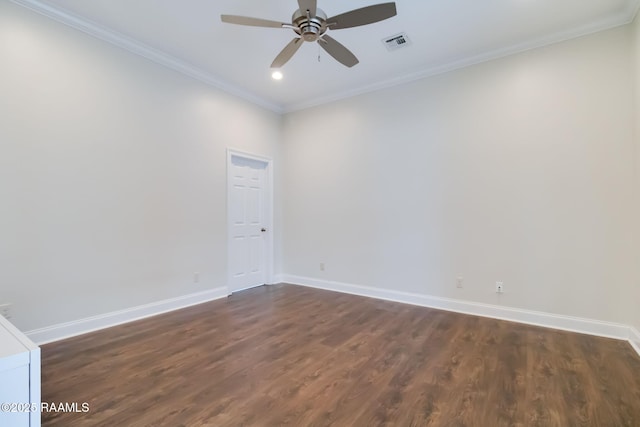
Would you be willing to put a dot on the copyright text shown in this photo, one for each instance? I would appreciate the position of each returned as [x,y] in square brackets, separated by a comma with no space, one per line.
[77,407]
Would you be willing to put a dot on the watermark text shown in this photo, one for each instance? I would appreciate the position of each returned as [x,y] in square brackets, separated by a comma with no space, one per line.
[76,407]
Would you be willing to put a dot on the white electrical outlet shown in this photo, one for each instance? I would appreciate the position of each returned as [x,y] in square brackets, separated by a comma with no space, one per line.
[499,287]
[322,266]
[5,311]
[459,281]
[196,277]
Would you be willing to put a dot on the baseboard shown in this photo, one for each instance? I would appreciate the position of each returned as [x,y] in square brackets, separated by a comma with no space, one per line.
[567,323]
[548,320]
[634,339]
[107,320]
[277,278]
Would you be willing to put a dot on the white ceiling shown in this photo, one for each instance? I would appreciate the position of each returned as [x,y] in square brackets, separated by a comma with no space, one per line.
[187,35]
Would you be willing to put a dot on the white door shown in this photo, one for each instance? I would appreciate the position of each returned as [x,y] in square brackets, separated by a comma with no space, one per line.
[248,221]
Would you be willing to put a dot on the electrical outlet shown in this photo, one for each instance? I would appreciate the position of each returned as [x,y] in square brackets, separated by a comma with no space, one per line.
[196,277]
[5,311]
[499,287]
[322,266]
[459,281]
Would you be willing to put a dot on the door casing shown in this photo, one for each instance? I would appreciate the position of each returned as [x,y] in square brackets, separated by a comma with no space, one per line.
[267,214]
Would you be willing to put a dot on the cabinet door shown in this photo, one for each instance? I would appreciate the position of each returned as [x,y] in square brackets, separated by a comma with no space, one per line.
[14,390]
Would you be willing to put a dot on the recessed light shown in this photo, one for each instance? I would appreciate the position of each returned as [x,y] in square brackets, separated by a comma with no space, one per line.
[277,75]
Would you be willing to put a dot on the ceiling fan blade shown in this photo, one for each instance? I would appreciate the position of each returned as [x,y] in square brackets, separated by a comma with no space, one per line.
[253,22]
[310,5]
[286,54]
[338,51]
[363,16]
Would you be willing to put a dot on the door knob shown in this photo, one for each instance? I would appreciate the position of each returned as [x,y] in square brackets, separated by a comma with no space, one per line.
[264,230]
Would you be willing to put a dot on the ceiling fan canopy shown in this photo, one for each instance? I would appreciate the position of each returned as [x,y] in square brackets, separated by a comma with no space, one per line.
[310,24]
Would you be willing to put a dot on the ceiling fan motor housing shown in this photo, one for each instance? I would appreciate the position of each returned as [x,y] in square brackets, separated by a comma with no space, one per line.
[311,23]
[310,28]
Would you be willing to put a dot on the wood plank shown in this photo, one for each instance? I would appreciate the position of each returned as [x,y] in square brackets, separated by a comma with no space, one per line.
[288,355]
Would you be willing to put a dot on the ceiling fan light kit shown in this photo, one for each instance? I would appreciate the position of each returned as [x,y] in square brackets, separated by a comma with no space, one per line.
[311,24]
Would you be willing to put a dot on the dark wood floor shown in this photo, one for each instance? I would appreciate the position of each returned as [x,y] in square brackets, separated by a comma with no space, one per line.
[287,355]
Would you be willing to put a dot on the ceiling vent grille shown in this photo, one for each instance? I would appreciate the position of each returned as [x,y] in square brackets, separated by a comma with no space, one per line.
[396,42]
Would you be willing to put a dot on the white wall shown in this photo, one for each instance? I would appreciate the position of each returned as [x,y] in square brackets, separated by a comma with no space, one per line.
[112,179]
[519,170]
[112,174]
[636,45]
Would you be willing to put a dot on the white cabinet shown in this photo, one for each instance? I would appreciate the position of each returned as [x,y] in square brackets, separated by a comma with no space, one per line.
[19,378]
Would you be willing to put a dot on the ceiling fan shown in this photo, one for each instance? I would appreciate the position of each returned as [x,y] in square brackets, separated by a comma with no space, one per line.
[311,24]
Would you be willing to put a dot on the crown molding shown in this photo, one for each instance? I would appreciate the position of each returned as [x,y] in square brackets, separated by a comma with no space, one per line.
[632,10]
[624,18]
[162,58]
[138,48]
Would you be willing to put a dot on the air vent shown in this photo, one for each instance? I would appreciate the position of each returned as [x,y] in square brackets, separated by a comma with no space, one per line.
[396,42]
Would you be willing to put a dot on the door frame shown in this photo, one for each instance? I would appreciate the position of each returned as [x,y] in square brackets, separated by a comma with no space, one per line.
[268,211]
